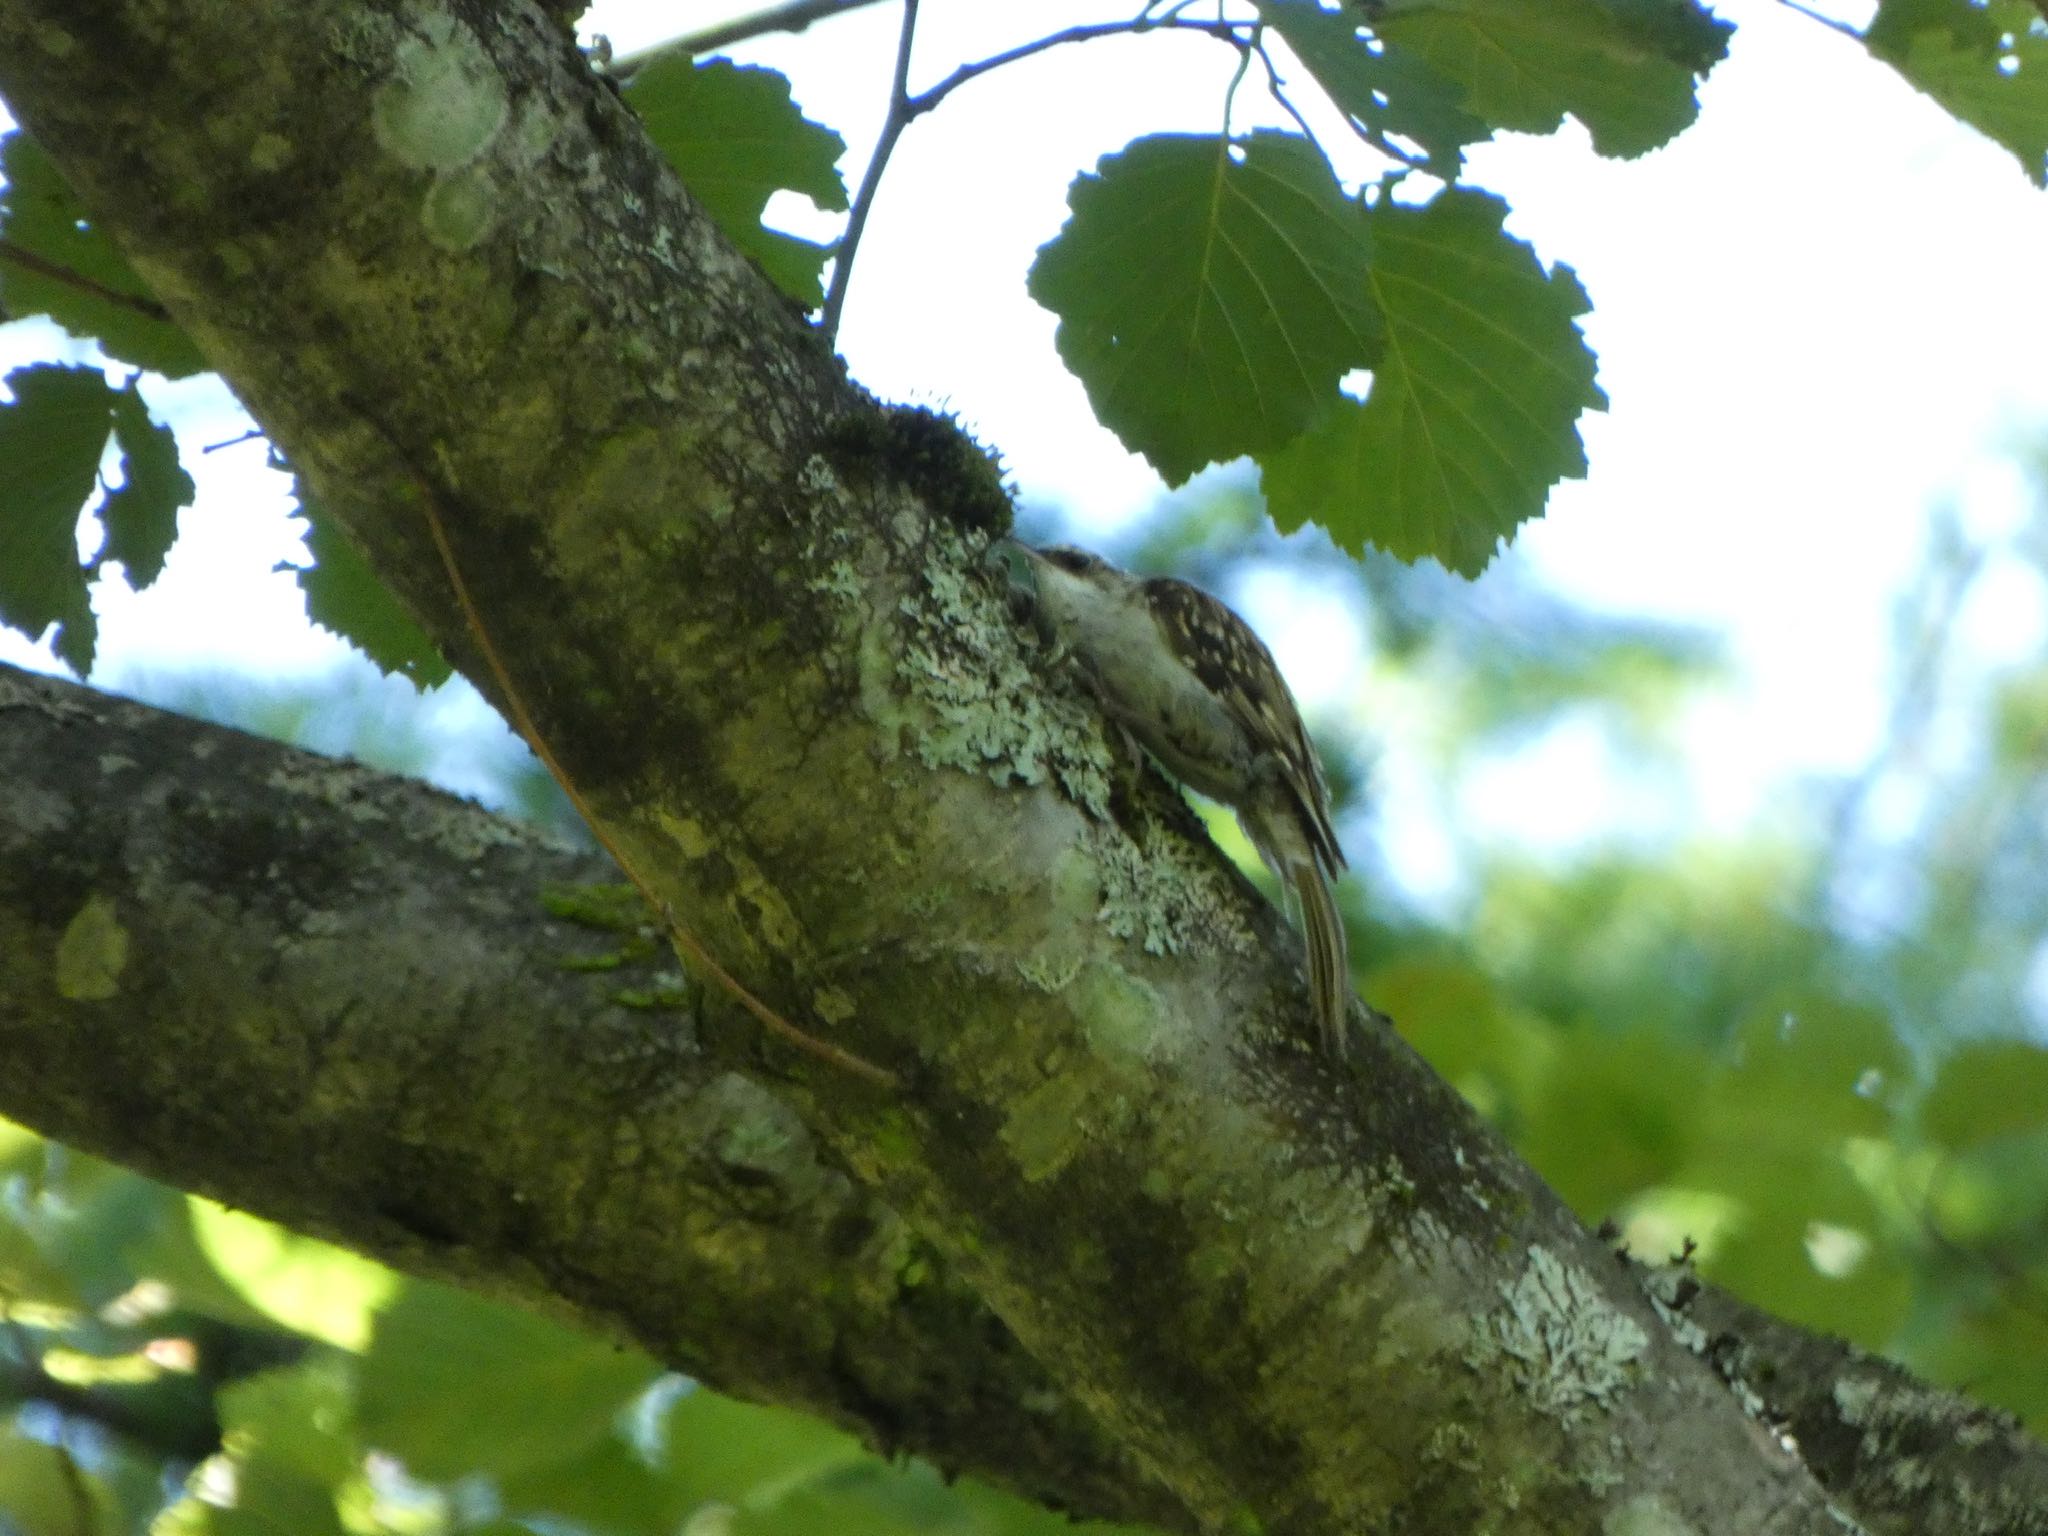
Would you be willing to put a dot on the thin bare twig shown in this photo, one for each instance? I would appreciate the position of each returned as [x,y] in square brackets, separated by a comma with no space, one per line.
[794,16]
[1172,22]
[1244,64]
[30,261]
[1831,23]
[1277,87]
[901,112]
[522,721]
[905,109]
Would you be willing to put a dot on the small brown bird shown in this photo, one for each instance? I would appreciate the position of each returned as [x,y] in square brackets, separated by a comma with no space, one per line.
[1199,691]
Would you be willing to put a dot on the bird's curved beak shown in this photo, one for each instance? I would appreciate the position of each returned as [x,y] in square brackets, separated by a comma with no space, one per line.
[1017,561]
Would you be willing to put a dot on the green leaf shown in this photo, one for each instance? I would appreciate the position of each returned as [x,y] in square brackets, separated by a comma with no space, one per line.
[1809,1068]
[455,1385]
[344,595]
[607,1486]
[1376,84]
[74,274]
[1618,1116]
[51,440]
[1211,295]
[1985,63]
[1472,414]
[301,1283]
[142,516]
[1624,68]
[736,138]
[1986,1090]
[1497,1056]
[1806,1244]
[287,1433]
[40,1496]
[739,1453]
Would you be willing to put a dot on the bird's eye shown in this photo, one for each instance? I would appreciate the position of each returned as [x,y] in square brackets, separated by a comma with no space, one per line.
[1069,559]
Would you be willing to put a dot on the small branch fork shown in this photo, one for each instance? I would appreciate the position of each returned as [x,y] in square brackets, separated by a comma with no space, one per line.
[1247,36]
[905,109]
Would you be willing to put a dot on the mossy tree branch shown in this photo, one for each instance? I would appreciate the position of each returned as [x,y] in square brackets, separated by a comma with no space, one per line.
[439,262]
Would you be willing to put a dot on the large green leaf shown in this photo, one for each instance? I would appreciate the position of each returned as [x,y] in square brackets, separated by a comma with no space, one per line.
[1472,415]
[65,268]
[1806,1066]
[1624,68]
[141,515]
[1986,63]
[1805,1240]
[1985,1090]
[1379,85]
[343,594]
[44,1492]
[736,138]
[454,1385]
[51,439]
[286,1433]
[1211,294]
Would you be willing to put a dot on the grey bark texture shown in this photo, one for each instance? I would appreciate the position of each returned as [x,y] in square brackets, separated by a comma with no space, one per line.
[749,614]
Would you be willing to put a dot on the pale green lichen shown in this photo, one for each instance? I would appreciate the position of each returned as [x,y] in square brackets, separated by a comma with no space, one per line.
[444,102]
[1159,891]
[609,906]
[92,952]
[1120,1014]
[460,208]
[980,707]
[1565,1343]
[686,833]
[1647,1515]
[1050,970]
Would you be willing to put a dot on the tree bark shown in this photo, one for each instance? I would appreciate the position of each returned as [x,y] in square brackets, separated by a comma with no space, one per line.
[409,1049]
[327,938]
[747,613]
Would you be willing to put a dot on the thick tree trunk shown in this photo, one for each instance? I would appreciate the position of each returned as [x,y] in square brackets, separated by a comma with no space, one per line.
[747,613]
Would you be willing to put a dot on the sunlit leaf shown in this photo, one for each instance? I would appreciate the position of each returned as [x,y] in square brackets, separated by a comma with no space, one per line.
[453,1384]
[343,594]
[1624,68]
[736,138]
[1211,295]
[40,1495]
[1985,1090]
[1986,63]
[1381,86]
[65,268]
[1473,410]
[303,1284]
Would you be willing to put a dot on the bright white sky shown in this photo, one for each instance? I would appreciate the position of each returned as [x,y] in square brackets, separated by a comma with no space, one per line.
[1817,313]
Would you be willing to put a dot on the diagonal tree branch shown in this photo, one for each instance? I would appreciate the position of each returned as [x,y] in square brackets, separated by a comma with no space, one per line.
[318,892]
[406,1053]
[746,610]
